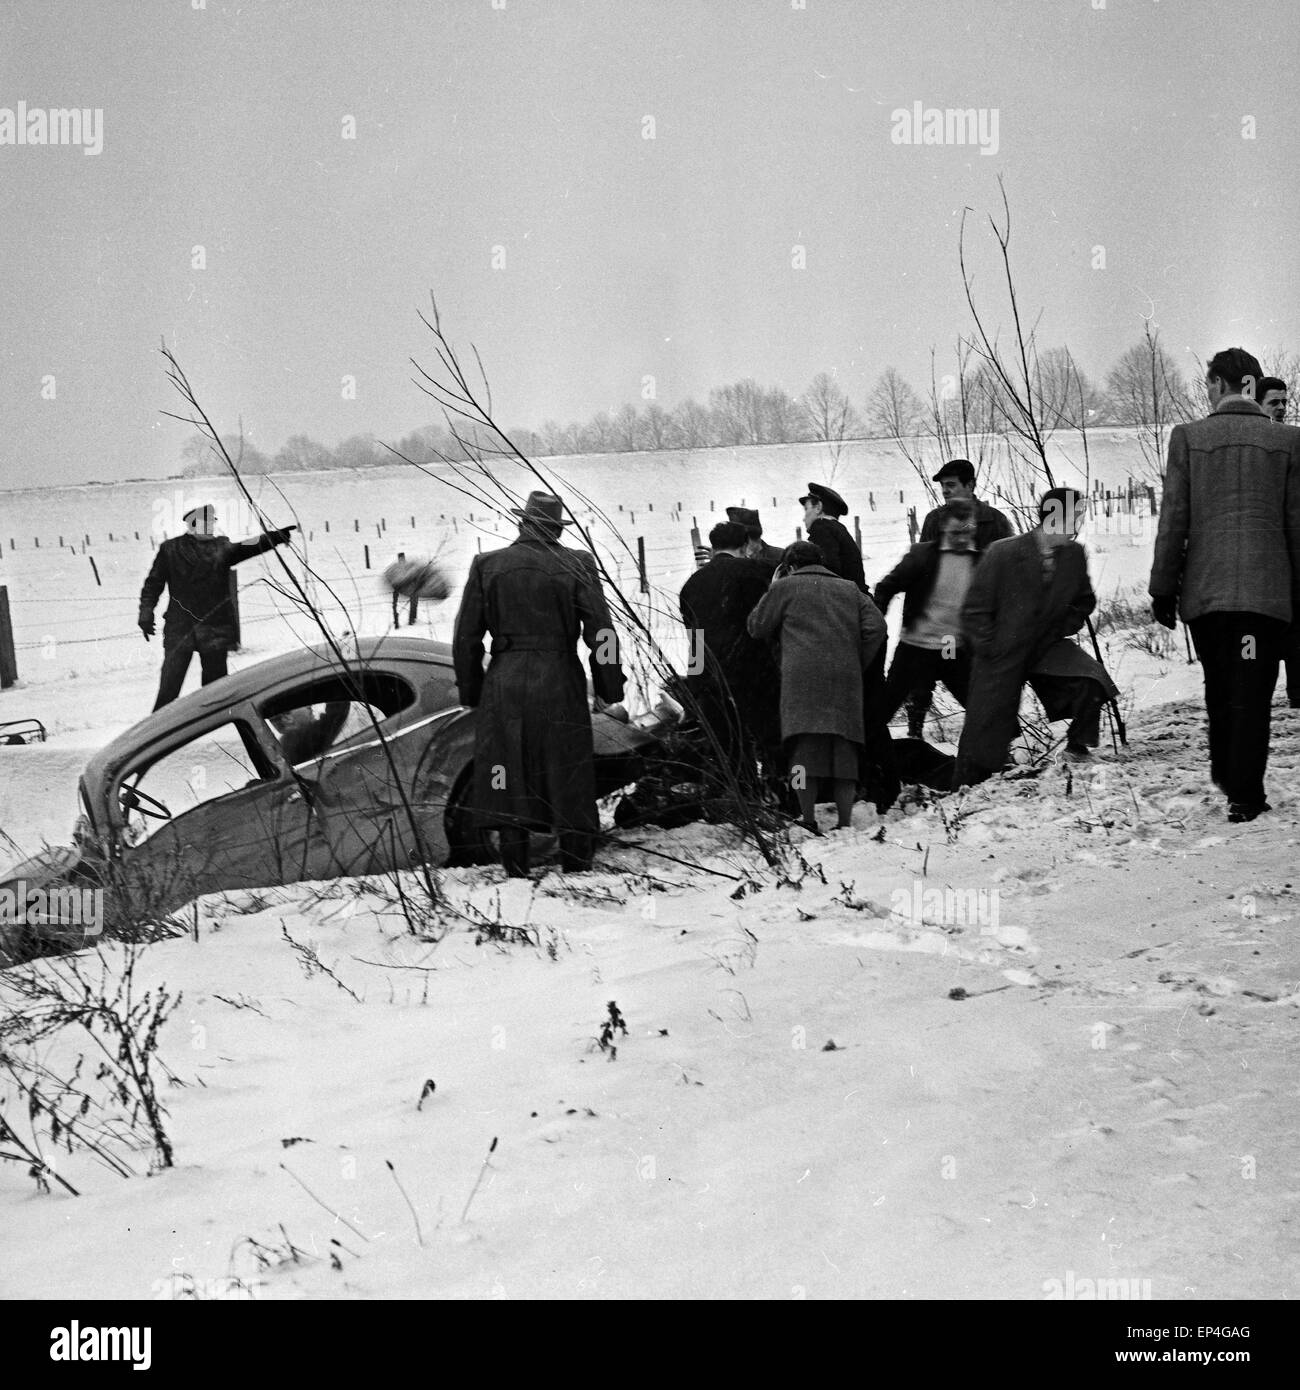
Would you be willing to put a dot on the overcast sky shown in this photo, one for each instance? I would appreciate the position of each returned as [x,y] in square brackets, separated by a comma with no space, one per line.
[524,128]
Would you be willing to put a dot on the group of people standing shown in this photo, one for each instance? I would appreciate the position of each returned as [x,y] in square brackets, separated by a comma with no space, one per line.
[799,648]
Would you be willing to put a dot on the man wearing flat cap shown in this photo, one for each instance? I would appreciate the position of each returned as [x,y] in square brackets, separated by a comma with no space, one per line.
[822,508]
[533,767]
[957,479]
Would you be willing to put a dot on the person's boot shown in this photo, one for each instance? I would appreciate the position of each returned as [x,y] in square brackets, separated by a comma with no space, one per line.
[514,851]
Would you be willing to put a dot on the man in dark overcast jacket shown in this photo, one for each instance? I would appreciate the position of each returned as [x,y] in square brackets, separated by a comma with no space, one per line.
[732,676]
[195,570]
[533,752]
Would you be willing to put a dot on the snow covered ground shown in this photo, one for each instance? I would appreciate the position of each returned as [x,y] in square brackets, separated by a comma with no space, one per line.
[993,1046]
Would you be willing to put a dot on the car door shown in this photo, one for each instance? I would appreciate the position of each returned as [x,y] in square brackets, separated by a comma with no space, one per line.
[239,818]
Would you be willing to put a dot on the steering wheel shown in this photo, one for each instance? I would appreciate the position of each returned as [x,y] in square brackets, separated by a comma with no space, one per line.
[133,799]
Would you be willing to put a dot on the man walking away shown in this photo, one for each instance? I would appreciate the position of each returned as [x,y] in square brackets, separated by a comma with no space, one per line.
[533,758]
[195,570]
[1030,594]
[957,480]
[1227,559]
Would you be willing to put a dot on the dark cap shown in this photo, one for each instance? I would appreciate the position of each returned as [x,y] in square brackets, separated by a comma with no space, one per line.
[744,516]
[832,503]
[961,469]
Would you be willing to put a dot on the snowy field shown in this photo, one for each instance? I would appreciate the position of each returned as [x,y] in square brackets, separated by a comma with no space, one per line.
[800,1106]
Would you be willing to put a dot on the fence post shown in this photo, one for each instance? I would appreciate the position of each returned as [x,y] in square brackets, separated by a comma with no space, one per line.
[857,531]
[640,564]
[8,661]
[401,555]
[912,527]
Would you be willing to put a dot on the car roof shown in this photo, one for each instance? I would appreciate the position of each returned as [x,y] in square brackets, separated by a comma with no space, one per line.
[262,678]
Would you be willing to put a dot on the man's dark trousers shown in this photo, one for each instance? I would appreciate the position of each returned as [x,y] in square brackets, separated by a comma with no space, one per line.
[914,668]
[176,662]
[1240,674]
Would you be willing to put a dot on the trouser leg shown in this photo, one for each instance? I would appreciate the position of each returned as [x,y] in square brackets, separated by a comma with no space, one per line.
[1252,676]
[918,706]
[1210,646]
[1085,726]
[910,673]
[954,672]
[176,661]
[1239,654]
[212,664]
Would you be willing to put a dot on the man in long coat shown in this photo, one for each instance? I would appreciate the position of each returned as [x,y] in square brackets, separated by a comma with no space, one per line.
[533,765]
[195,570]
[1227,557]
[733,679]
[1029,595]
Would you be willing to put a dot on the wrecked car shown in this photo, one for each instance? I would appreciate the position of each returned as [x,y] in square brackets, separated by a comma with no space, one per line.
[304,766]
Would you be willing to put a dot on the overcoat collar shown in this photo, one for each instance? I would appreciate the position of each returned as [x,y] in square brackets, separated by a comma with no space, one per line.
[1237,405]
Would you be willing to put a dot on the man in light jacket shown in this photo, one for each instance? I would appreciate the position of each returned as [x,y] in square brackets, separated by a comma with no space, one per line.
[1227,560]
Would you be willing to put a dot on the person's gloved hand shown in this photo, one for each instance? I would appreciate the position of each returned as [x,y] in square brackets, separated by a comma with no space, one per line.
[281,537]
[702,556]
[146,625]
[1165,611]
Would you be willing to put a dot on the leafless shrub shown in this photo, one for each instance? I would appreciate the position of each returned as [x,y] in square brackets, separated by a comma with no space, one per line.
[107,1100]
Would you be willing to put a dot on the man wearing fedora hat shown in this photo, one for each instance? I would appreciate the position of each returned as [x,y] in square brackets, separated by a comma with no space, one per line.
[533,766]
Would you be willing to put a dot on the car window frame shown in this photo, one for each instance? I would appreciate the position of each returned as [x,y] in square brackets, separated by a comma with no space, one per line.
[253,735]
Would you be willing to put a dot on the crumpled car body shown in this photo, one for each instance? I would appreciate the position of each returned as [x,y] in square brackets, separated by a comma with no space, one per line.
[302,767]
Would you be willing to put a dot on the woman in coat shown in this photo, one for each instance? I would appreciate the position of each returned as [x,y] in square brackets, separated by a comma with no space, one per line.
[828,634]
